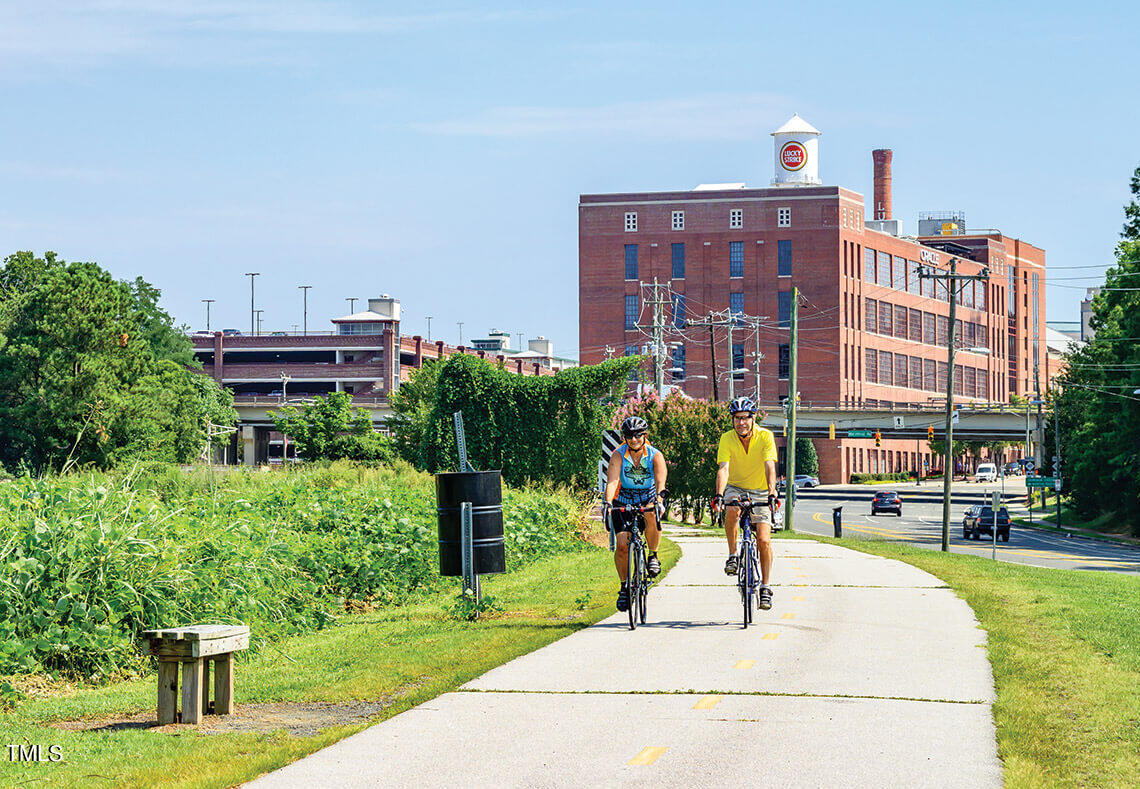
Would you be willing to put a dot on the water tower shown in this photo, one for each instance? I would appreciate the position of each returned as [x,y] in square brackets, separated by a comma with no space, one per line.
[797,154]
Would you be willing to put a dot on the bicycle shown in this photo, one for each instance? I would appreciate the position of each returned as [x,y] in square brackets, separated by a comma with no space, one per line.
[747,559]
[638,573]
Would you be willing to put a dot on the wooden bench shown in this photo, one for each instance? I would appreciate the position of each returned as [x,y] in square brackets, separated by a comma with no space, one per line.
[195,647]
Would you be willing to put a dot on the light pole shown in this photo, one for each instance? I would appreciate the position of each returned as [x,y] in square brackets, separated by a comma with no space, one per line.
[305,310]
[429,327]
[251,275]
[520,340]
[208,302]
[460,331]
[284,399]
[258,313]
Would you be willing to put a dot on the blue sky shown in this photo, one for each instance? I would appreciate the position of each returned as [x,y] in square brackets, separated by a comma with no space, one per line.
[436,151]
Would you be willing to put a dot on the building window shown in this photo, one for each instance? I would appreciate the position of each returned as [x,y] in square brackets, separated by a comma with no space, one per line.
[900,322]
[928,335]
[915,372]
[871,313]
[943,330]
[901,370]
[784,308]
[738,360]
[869,265]
[785,362]
[884,270]
[630,221]
[886,368]
[678,261]
[1010,293]
[929,382]
[631,309]
[679,363]
[783,217]
[679,310]
[736,258]
[784,266]
[914,326]
[971,382]
[631,261]
[631,350]
[928,288]
[943,372]
[912,282]
[871,371]
[959,381]
[899,281]
[885,314]
[678,220]
[735,218]
[736,307]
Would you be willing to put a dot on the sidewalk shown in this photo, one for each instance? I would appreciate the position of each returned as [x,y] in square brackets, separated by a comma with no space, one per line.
[866,672]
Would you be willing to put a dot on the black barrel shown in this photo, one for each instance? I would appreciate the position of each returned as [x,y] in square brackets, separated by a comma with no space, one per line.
[484,489]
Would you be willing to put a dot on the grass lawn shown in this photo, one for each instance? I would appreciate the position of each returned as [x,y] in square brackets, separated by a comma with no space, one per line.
[1106,526]
[399,656]
[1065,650]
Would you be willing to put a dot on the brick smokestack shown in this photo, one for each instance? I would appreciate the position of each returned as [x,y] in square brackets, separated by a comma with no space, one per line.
[882,159]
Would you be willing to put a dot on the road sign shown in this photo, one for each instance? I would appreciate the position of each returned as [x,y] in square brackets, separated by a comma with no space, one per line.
[898,421]
[1041,482]
[954,417]
[859,434]
[1057,484]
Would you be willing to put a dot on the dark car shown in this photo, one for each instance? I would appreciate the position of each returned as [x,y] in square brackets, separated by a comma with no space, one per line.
[886,501]
[979,520]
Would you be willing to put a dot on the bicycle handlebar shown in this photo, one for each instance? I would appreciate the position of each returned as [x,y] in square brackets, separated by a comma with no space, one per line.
[646,507]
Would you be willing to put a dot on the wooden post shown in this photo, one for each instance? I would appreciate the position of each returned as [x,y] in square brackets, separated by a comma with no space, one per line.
[167,690]
[192,691]
[224,684]
[206,686]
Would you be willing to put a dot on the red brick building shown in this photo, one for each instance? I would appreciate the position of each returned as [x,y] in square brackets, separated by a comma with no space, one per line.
[871,332]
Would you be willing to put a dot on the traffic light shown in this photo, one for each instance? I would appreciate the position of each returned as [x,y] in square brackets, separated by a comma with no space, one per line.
[930,432]
[831,431]
[878,439]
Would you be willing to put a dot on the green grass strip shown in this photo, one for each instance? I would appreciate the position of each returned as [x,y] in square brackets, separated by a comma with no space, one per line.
[402,656]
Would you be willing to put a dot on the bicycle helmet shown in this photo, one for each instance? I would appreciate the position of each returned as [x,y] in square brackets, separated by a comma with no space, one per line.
[742,404]
[634,425]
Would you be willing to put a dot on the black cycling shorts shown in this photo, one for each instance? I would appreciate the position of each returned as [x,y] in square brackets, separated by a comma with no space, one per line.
[623,521]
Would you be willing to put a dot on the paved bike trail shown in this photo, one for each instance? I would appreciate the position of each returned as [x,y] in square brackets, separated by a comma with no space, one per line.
[866,672]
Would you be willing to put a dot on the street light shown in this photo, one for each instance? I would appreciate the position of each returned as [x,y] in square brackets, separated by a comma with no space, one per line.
[208,302]
[251,275]
[258,313]
[305,290]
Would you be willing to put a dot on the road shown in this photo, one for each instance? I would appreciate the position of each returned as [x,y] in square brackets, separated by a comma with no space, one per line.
[921,525]
[867,672]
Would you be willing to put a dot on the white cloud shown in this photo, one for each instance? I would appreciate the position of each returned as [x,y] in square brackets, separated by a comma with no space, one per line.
[712,117]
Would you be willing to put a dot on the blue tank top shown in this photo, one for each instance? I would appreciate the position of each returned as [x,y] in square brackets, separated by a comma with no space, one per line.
[637,480]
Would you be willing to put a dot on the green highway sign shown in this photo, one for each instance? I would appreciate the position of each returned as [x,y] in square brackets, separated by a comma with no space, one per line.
[859,434]
[1040,482]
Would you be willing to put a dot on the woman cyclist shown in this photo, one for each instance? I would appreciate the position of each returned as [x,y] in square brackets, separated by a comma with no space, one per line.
[636,475]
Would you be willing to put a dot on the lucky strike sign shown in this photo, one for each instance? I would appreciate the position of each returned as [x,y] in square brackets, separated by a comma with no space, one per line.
[793,155]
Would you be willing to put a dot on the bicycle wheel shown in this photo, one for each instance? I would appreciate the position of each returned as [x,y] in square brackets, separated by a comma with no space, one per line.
[642,584]
[631,576]
[744,581]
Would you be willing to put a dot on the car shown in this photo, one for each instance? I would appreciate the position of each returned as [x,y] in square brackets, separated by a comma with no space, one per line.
[886,501]
[986,472]
[979,520]
[231,332]
[279,334]
[203,333]
[782,484]
[806,481]
[1012,469]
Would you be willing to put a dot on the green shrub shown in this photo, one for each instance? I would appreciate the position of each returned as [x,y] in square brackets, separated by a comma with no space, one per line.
[902,476]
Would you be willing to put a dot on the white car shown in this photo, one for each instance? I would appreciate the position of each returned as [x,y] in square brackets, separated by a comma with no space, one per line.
[987,472]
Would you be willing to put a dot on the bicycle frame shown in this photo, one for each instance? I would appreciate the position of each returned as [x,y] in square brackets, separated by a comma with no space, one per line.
[637,574]
[748,569]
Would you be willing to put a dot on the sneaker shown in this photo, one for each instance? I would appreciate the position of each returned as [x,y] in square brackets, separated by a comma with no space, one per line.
[765,597]
[653,566]
[732,565]
[623,598]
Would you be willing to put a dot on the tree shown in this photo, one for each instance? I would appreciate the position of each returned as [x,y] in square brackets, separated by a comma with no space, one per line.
[807,461]
[82,371]
[329,428]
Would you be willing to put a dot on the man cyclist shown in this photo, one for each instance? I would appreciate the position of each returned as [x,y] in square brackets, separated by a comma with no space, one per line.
[746,466]
[636,474]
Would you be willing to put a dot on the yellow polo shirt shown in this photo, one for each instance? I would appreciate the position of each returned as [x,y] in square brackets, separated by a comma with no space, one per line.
[746,469]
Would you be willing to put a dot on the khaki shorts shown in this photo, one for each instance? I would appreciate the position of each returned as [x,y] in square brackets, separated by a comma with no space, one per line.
[760,514]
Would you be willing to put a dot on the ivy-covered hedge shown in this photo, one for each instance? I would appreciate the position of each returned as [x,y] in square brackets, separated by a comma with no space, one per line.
[535,429]
[903,476]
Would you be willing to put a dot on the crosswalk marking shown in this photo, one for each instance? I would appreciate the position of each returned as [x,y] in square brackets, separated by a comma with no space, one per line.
[647,756]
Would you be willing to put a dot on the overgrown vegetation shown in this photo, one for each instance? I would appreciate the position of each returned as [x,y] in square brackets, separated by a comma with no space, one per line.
[536,429]
[329,428]
[1099,414]
[94,372]
[88,561]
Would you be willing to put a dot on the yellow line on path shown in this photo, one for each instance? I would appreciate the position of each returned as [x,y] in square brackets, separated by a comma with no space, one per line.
[788,616]
[771,636]
[746,664]
[647,756]
[797,599]
[706,703]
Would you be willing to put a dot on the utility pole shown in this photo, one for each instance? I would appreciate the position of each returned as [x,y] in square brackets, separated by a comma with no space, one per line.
[658,299]
[258,313]
[208,302]
[793,397]
[1057,455]
[712,353]
[731,362]
[305,309]
[756,370]
[460,323]
[429,326]
[952,279]
[251,275]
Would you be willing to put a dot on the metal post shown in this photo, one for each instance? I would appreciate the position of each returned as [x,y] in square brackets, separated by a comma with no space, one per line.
[207,302]
[837,521]
[731,361]
[470,579]
[789,519]
[429,317]
[756,361]
[305,312]
[994,502]
[251,275]
[1057,461]
[712,354]
[948,471]
[461,442]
